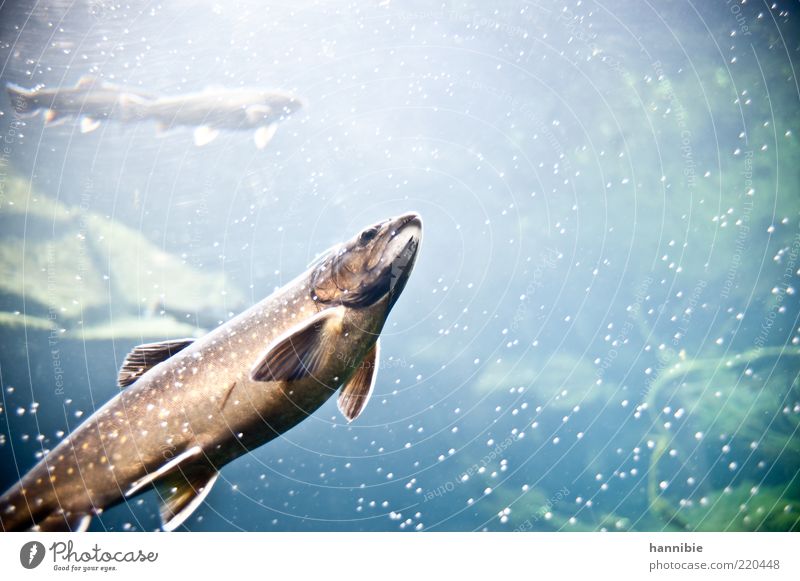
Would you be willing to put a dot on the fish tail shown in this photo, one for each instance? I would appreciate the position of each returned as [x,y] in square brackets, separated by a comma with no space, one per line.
[22,99]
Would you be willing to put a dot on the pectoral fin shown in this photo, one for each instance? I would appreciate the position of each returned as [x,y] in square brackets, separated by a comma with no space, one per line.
[88,124]
[264,135]
[204,135]
[301,351]
[356,393]
[144,357]
[256,113]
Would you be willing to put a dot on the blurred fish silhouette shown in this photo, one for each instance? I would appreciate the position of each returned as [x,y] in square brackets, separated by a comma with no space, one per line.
[213,110]
[90,100]
[209,112]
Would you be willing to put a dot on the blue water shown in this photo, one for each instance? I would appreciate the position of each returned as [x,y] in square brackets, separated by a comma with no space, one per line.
[601,332]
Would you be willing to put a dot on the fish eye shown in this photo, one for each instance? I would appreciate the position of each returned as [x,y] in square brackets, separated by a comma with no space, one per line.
[368,235]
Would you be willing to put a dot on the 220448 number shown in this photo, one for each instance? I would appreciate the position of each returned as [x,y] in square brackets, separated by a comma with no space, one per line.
[758,564]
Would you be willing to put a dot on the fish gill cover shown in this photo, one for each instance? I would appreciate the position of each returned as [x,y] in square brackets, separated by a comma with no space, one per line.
[601,332]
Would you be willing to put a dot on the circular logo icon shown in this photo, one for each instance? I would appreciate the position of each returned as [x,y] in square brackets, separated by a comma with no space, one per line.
[31,554]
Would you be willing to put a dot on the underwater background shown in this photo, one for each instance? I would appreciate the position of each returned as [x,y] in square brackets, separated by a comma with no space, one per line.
[601,332]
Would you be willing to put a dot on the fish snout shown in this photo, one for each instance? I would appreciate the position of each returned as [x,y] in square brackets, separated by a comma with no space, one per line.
[409,219]
[405,233]
[292,105]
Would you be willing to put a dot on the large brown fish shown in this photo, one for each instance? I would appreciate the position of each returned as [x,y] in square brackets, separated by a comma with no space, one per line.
[189,407]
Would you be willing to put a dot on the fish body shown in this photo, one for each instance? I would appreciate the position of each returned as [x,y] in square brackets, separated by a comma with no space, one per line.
[208,112]
[223,108]
[189,407]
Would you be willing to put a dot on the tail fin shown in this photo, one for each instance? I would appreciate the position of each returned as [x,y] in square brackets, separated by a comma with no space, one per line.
[21,99]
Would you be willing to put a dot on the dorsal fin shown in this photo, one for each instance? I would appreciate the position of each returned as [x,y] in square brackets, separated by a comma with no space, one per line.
[356,392]
[144,357]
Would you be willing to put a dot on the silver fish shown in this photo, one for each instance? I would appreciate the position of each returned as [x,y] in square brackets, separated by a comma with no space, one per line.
[189,407]
[208,112]
[224,109]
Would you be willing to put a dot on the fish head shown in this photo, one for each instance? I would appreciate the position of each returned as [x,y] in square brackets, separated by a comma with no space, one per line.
[372,266]
[283,104]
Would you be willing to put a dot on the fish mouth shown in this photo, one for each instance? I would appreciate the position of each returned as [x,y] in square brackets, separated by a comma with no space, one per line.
[294,105]
[400,252]
[409,220]
[404,234]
